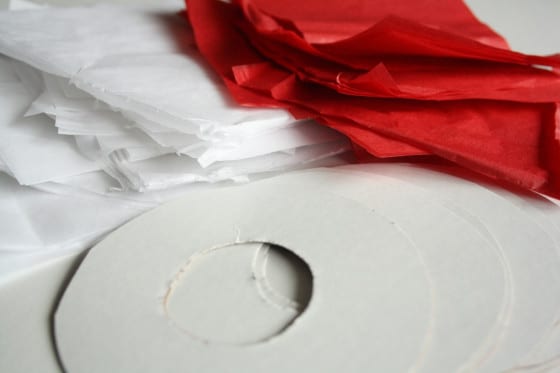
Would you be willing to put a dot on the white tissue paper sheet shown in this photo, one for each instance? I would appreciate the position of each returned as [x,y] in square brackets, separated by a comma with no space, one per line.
[146,94]
[126,120]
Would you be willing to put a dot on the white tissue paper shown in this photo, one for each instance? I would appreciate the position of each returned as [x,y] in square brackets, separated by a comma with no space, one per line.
[123,110]
[144,93]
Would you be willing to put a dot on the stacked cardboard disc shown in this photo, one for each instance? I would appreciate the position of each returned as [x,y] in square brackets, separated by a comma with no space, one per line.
[413,270]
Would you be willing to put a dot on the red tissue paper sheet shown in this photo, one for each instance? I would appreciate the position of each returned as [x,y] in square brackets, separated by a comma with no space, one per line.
[398,78]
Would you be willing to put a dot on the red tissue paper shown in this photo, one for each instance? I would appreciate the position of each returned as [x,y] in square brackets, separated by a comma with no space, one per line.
[398,78]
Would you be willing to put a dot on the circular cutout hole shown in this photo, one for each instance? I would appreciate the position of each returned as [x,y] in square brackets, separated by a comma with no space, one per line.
[239,294]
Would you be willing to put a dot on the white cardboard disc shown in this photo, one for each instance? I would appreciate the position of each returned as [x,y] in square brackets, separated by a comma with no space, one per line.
[369,312]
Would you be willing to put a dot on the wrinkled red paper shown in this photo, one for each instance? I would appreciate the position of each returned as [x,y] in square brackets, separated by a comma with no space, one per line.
[397,77]
[399,58]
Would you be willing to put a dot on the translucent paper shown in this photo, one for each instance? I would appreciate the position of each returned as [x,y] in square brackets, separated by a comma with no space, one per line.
[149,114]
[98,126]
[456,90]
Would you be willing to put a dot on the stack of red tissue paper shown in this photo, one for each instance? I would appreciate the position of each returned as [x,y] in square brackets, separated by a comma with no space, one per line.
[406,78]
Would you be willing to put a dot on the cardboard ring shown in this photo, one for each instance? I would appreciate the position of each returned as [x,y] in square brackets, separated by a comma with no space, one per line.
[366,274]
